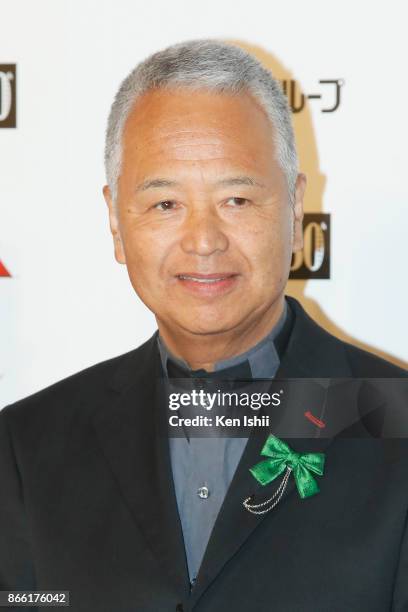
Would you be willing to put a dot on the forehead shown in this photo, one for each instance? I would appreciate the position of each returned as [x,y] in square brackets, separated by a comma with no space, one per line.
[187,125]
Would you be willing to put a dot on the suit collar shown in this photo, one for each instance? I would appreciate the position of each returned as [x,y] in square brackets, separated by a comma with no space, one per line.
[134,366]
[311,352]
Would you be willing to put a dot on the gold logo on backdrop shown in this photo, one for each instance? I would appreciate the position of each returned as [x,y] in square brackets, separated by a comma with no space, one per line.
[314,260]
[8,104]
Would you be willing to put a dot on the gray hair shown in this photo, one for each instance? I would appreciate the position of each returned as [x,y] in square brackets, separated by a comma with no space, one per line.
[203,64]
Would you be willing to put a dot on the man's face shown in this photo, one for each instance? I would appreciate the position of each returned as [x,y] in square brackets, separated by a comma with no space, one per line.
[203,220]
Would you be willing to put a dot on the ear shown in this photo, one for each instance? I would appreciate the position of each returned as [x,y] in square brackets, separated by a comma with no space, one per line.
[114,226]
[297,240]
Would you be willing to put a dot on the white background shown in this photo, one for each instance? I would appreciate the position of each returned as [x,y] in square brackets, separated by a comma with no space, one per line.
[68,304]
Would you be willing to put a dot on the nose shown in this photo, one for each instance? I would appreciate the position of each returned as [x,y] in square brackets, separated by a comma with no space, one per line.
[203,233]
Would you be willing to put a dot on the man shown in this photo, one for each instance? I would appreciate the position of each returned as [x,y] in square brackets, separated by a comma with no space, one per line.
[98,498]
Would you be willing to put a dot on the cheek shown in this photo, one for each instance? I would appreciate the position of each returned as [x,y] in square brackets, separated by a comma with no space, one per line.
[266,249]
[145,258]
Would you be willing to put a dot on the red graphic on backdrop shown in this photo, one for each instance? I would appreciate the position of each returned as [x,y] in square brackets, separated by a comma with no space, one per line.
[3,270]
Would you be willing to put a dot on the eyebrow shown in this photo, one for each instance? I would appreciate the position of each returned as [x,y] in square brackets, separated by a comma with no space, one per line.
[157,183]
[239,180]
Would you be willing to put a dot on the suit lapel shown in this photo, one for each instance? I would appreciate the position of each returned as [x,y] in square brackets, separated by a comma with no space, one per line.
[135,445]
[309,354]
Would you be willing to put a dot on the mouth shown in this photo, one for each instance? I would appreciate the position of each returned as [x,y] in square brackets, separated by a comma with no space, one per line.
[207,284]
[206,278]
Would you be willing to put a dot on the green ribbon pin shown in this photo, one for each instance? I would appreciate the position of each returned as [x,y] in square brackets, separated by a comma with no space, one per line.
[281,457]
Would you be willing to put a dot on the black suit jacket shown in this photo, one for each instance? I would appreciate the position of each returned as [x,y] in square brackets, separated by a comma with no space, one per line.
[88,503]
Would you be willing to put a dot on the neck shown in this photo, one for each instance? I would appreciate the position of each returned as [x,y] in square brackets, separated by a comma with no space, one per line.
[205,350]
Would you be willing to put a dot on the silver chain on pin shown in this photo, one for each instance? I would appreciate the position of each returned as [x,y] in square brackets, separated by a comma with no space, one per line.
[255,508]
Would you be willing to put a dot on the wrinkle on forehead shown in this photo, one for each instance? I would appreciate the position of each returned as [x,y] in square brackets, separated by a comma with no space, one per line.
[196,151]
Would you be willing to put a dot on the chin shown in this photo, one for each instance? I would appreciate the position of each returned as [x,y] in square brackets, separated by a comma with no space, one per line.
[209,325]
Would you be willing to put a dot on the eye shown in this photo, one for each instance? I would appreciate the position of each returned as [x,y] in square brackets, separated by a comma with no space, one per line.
[165,205]
[237,202]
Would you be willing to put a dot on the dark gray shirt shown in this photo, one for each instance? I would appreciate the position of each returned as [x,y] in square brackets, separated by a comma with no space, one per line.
[203,467]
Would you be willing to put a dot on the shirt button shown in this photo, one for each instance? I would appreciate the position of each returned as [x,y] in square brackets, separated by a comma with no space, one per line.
[203,492]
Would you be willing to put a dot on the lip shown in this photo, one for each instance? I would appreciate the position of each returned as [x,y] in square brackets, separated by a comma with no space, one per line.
[195,282]
[209,276]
